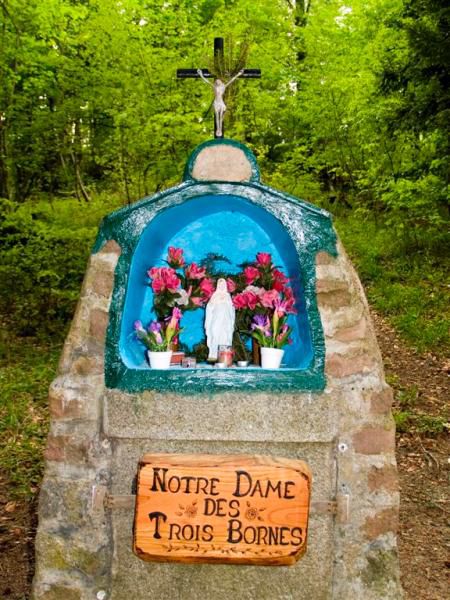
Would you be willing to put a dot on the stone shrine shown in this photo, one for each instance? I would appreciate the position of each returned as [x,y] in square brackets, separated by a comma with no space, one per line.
[328,405]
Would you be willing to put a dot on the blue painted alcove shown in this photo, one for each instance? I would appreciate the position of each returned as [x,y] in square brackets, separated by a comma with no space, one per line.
[227,225]
[233,218]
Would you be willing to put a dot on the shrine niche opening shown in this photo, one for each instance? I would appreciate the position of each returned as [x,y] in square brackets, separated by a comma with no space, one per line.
[225,225]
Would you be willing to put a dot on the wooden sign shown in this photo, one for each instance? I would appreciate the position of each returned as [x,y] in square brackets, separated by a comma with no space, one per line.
[227,509]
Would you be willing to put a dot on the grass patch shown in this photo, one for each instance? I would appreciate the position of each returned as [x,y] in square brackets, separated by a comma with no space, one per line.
[429,425]
[409,419]
[406,281]
[26,370]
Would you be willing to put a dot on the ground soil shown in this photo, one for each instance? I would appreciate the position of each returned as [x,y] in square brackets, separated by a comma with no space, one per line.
[424,469]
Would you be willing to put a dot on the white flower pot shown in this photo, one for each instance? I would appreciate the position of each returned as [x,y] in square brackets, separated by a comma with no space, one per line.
[159,360]
[271,358]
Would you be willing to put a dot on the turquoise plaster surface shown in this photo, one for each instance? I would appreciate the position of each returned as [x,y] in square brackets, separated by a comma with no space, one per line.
[226,225]
[234,219]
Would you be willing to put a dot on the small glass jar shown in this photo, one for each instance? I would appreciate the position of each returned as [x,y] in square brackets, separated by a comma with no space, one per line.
[189,362]
[225,356]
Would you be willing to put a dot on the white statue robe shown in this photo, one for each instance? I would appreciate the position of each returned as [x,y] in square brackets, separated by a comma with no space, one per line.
[219,320]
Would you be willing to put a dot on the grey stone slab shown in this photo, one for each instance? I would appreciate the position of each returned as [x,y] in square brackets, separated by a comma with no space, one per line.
[319,457]
[308,579]
[233,416]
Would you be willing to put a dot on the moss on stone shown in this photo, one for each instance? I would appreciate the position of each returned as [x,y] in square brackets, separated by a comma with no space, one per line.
[381,570]
[59,592]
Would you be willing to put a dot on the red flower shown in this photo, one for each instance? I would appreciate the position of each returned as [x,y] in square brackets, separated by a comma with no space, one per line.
[175,257]
[278,286]
[246,300]
[163,278]
[280,280]
[231,286]
[269,298]
[239,301]
[279,276]
[193,271]
[251,273]
[252,300]
[158,286]
[289,300]
[264,259]
[207,288]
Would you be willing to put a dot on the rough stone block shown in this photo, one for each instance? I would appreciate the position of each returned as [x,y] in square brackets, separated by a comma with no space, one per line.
[380,575]
[381,402]
[70,501]
[323,258]
[66,448]
[98,322]
[111,247]
[63,404]
[338,365]
[343,318]
[88,365]
[374,440]
[334,299]
[63,554]
[383,478]
[103,284]
[354,333]
[75,396]
[383,522]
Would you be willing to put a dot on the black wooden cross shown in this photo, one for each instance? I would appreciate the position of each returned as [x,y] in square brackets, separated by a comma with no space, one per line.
[205,74]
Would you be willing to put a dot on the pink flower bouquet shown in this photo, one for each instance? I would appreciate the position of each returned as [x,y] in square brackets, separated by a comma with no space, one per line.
[181,285]
[263,301]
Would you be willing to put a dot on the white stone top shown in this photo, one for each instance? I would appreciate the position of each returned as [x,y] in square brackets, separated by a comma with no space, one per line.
[222,163]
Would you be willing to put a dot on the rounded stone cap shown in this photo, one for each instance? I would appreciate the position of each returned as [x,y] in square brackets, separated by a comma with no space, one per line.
[222,160]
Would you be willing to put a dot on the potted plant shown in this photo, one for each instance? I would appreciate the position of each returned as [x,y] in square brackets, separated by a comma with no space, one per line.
[272,333]
[158,338]
[263,300]
[180,285]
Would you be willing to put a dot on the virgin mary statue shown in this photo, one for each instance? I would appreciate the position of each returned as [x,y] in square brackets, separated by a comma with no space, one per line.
[219,319]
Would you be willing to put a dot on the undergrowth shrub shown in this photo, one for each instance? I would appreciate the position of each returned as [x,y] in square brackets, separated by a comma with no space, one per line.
[406,277]
[45,247]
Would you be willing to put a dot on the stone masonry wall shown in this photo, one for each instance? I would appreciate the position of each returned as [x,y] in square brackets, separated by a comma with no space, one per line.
[73,544]
[78,542]
[366,562]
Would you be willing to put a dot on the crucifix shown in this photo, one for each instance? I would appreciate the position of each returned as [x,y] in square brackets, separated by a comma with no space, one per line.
[219,87]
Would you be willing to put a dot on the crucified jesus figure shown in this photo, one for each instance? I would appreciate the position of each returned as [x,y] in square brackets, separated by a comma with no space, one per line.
[219,88]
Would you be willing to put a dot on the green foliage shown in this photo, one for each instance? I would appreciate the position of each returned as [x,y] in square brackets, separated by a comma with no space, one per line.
[408,422]
[26,370]
[45,251]
[408,419]
[408,397]
[410,286]
[352,112]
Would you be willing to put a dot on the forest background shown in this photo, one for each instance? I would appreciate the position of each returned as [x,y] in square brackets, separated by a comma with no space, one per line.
[352,113]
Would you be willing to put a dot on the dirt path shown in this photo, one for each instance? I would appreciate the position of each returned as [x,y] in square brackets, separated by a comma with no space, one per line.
[421,385]
[17,530]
